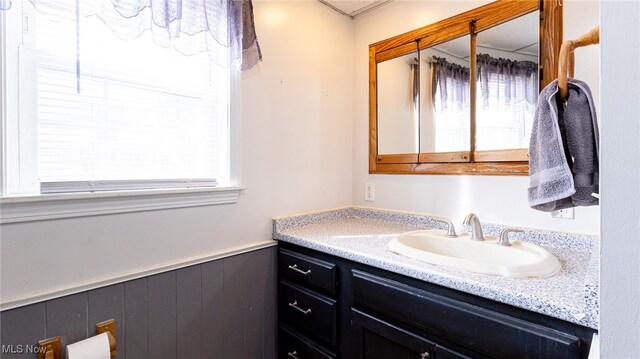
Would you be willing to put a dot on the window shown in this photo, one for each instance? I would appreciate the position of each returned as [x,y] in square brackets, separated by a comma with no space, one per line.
[507,91]
[88,111]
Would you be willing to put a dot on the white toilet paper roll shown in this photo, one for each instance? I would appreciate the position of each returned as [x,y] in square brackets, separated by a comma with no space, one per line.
[96,347]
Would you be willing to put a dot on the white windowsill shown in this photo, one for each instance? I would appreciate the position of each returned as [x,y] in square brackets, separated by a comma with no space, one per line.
[56,206]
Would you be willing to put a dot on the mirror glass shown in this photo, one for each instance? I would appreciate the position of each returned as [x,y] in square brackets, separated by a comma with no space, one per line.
[445,99]
[507,87]
[398,98]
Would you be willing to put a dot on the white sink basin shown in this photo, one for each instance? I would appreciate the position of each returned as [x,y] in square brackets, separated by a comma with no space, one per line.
[521,259]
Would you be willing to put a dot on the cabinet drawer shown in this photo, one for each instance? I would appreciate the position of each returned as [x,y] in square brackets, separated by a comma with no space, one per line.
[479,329]
[307,270]
[294,345]
[309,312]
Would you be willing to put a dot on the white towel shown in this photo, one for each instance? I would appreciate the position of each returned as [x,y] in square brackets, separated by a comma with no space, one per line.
[563,152]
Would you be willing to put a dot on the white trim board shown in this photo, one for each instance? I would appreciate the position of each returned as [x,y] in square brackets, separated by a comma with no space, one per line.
[45,207]
[78,287]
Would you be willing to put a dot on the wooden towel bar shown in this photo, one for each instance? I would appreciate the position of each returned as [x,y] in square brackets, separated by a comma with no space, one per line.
[567,58]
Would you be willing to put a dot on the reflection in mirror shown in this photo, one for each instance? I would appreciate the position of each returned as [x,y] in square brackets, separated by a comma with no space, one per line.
[398,98]
[507,87]
[444,89]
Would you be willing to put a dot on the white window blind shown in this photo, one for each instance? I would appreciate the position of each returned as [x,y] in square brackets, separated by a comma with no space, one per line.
[451,116]
[506,121]
[116,114]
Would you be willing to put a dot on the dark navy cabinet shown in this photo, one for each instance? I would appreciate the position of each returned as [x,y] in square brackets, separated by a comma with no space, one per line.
[307,306]
[357,311]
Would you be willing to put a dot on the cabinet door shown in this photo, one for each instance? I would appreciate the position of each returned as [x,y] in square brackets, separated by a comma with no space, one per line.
[479,329]
[445,353]
[373,338]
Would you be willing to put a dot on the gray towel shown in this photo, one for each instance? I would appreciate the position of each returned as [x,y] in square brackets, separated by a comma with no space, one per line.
[563,152]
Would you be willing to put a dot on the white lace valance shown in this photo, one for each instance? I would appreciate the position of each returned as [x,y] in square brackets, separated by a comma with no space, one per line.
[190,26]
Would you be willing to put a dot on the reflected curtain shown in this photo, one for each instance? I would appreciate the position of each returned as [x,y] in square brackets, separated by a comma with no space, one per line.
[190,26]
[509,81]
[414,66]
[450,84]
[415,100]
[451,100]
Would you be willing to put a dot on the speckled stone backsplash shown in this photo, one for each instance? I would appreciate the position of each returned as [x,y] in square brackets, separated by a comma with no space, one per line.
[362,235]
[540,237]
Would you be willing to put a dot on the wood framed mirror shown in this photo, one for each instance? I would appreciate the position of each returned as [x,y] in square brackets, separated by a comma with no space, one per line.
[457,96]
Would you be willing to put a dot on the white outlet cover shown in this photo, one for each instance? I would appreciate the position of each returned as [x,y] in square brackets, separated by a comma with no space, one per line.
[369,192]
[567,213]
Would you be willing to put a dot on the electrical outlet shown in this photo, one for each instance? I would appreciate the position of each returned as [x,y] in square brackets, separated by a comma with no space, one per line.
[567,213]
[369,191]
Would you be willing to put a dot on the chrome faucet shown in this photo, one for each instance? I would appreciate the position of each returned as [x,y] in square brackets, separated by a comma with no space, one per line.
[451,229]
[476,230]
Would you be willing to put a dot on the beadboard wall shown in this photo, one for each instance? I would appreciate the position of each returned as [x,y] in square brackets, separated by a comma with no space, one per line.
[219,309]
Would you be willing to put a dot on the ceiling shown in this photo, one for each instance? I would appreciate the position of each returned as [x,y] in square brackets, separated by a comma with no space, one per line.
[353,8]
[519,36]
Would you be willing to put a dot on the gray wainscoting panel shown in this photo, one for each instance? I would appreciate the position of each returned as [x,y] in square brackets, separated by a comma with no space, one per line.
[232,317]
[212,309]
[20,329]
[104,304]
[136,320]
[67,317]
[220,309]
[189,319]
[252,306]
[269,305]
[162,316]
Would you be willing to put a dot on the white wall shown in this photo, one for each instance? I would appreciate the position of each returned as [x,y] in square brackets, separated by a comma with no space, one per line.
[397,122]
[494,199]
[296,142]
[619,266]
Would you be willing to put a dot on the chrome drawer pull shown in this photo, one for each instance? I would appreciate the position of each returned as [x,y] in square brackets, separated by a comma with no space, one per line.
[294,305]
[293,354]
[295,268]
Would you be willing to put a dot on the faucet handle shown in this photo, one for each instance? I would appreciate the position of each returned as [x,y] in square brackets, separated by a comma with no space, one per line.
[504,236]
[451,229]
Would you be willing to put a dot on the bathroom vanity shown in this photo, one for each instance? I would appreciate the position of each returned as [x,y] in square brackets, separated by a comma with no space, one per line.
[343,294]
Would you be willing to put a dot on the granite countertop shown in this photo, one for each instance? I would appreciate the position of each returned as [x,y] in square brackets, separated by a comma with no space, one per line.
[362,235]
